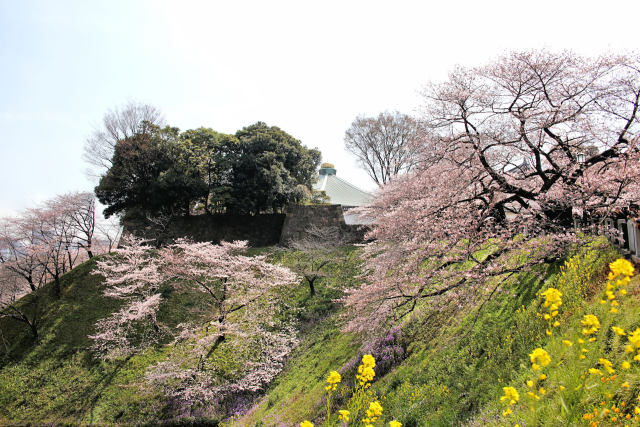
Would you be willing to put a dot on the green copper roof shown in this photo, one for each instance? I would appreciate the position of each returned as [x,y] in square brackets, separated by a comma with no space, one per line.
[340,192]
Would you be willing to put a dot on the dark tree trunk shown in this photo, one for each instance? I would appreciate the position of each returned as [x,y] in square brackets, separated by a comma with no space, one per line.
[56,286]
[34,332]
[312,284]
[215,345]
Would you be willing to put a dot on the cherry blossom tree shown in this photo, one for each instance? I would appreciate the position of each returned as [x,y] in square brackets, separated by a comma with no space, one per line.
[37,247]
[317,243]
[22,273]
[240,293]
[131,275]
[79,211]
[514,151]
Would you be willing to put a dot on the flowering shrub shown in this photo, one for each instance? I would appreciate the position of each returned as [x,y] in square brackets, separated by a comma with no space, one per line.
[387,351]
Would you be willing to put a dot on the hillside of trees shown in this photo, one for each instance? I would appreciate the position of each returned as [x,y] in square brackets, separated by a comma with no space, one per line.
[489,293]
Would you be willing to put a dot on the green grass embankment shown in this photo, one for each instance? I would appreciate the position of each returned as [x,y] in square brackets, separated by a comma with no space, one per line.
[455,361]
[458,359]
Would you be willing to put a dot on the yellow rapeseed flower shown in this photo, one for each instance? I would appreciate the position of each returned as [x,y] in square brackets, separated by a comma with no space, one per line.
[395,423]
[607,365]
[306,423]
[374,411]
[567,343]
[539,357]
[625,365]
[333,379]
[552,296]
[618,330]
[634,338]
[621,267]
[365,371]
[369,360]
[343,414]
[591,323]
[511,395]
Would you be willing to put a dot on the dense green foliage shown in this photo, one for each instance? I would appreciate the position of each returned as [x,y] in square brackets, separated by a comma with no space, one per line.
[271,170]
[150,173]
[160,170]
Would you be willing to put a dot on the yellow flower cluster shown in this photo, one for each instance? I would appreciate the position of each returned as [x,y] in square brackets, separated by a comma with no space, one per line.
[552,302]
[373,413]
[511,397]
[634,344]
[591,324]
[621,267]
[333,380]
[618,279]
[539,357]
[607,365]
[360,397]
[553,298]
[365,371]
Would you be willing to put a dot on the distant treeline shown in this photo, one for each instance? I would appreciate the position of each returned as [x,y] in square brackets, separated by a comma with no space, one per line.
[160,171]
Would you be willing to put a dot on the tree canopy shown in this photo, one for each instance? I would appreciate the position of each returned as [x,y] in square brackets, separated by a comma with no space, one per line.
[384,145]
[271,169]
[160,170]
[514,150]
[117,124]
[151,173]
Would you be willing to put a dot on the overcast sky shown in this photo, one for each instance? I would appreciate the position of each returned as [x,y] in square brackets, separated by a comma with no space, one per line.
[308,67]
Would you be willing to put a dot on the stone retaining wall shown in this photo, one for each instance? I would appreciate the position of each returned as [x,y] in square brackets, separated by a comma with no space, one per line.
[300,217]
[260,230]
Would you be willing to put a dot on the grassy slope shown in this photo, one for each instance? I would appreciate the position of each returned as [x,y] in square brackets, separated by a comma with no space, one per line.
[457,364]
[58,380]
